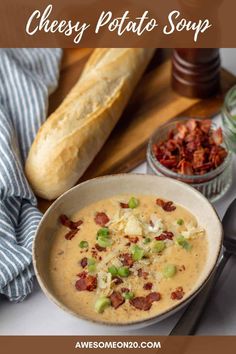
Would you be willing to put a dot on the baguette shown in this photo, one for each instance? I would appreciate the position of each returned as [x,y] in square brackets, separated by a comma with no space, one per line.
[70,138]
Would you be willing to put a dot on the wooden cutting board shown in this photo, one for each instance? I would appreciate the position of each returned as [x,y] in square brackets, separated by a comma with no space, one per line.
[152,104]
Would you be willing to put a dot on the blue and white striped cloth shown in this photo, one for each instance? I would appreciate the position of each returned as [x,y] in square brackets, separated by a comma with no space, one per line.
[27,77]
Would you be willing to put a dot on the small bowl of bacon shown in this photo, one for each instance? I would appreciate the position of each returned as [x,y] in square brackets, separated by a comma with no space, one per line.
[193,151]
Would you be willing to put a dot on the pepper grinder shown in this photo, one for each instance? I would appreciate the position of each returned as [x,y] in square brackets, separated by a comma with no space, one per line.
[196,71]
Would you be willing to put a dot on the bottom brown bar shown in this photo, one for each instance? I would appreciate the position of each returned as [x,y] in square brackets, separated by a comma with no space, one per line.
[118,344]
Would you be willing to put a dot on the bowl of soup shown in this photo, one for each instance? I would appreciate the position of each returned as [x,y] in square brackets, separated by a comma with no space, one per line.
[127,250]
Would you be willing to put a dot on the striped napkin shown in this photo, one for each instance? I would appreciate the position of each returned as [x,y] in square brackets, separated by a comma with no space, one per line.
[27,77]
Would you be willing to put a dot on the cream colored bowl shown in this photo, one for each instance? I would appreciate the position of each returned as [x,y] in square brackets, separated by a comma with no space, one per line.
[104,187]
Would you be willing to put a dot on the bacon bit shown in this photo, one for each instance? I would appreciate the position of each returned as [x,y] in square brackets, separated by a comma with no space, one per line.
[117,280]
[182,131]
[101,219]
[193,148]
[69,223]
[143,274]
[204,167]
[141,303]
[148,286]
[169,206]
[185,168]
[166,206]
[177,294]
[166,235]
[99,248]
[205,125]
[128,244]
[145,303]
[171,163]
[124,290]
[154,296]
[171,134]
[198,157]
[82,274]
[71,234]
[216,155]
[160,202]
[133,239]
[116,299]
[84,262]
[126,259]
[190,148]
[217,136]
[124,205]
[88,283]
[192,124]
[72,225]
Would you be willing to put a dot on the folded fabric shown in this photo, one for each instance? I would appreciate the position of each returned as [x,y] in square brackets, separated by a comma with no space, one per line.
[27,77]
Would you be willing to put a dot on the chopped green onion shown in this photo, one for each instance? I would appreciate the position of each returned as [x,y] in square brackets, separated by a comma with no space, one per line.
[147,240]
[83,244]
[113,270]
[91,261]
[123,272]
[104,241]
[102,303]
[103,237]
[180,221]
[104,231]
[158,246]
[133,203]
[181,240]
[128,295]
[137,253]
[169,271]
[92,268]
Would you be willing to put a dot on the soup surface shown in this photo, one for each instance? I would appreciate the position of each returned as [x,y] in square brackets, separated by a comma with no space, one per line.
[126,258]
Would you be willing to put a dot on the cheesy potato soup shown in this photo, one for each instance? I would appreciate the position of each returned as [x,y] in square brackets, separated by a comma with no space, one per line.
[126,258]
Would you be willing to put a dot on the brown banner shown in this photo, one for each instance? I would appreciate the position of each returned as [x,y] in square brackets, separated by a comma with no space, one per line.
[115,345]
[123,23]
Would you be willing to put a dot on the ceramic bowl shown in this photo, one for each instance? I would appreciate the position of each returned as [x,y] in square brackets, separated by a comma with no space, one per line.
[104,187]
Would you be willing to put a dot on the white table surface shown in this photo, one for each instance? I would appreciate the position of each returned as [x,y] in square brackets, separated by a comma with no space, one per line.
[38,316]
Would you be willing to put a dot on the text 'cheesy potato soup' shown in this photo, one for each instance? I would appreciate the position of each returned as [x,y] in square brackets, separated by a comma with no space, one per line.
[127,258]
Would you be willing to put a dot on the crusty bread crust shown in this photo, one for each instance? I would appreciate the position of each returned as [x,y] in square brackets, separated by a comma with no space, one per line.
[71,137]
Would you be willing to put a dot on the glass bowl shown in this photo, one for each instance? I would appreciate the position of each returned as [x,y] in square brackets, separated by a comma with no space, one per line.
[229,118]
[213,185]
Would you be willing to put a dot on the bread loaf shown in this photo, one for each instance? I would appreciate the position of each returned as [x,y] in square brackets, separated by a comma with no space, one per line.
[71,137]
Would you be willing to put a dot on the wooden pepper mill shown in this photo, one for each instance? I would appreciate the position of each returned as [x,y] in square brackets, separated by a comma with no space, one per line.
[196,71]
